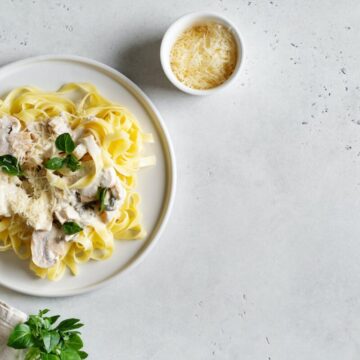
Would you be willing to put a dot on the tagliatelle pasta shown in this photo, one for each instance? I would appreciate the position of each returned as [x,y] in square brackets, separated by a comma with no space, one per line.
[119,144]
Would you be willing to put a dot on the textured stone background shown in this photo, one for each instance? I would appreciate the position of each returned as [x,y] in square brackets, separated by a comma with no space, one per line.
[261,258]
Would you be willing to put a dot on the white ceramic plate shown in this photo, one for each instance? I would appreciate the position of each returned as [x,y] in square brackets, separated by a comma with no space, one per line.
[156,184]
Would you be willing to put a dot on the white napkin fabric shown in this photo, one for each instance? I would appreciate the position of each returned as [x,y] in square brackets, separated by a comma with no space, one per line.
[9,318]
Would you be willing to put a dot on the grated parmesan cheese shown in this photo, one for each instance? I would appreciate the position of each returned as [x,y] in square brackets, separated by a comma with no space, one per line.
[204,56]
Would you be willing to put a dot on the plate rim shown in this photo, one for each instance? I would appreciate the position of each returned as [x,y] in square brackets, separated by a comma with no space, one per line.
[171,170]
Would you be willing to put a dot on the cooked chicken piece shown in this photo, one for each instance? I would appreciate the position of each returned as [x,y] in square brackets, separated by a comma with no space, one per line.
[8,125]
[35,127]
[47,247]
[15,200]
[66,213]
[7,187]
[65,207]
[20,143]
[108,178]
[59,125]
[5,209]
[41,147]
[80,151]
[89,194]
[37,212]
[119,190]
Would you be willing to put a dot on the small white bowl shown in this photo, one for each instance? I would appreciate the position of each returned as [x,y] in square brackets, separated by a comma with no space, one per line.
[181,25]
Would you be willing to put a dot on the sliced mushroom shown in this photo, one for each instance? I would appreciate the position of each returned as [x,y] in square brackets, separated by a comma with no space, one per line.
[116,200]
[47,247]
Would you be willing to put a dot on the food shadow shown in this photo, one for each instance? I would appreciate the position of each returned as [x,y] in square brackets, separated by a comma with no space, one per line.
[141,63]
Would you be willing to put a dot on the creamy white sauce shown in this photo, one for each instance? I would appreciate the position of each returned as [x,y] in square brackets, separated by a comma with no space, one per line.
[38,200]
[8,125]
[15,201]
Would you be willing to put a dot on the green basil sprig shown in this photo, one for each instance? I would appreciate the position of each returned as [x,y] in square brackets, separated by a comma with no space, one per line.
[64,143]
[46,341]
[10,165]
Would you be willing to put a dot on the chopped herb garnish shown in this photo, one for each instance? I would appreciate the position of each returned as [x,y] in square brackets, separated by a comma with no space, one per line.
[71,228]
[54,163]
[10,165]
[101,197]
[106,199]
[65,143]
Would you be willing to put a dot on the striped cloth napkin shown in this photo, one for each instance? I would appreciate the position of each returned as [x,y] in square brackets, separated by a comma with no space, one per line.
[9,318]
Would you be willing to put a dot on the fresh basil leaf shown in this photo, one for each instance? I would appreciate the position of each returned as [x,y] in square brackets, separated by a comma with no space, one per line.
[74,327]
[75,342]
[46,338]
[101,197]
[54,340]
[71,228]
[50,340]
[69,354]
[83,354]
[45,356]
[54,163]
[65,143]
[9,164]
[10,170]
[46,323]
[72,163]
[67,324]
[53,319]
[21,337]
[8,160]
[32,354]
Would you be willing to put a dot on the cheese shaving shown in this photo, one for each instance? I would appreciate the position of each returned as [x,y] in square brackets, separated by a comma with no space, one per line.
[204,56]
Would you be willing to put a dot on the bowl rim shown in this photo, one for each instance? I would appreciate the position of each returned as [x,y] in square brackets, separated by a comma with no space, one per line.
[164,54]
